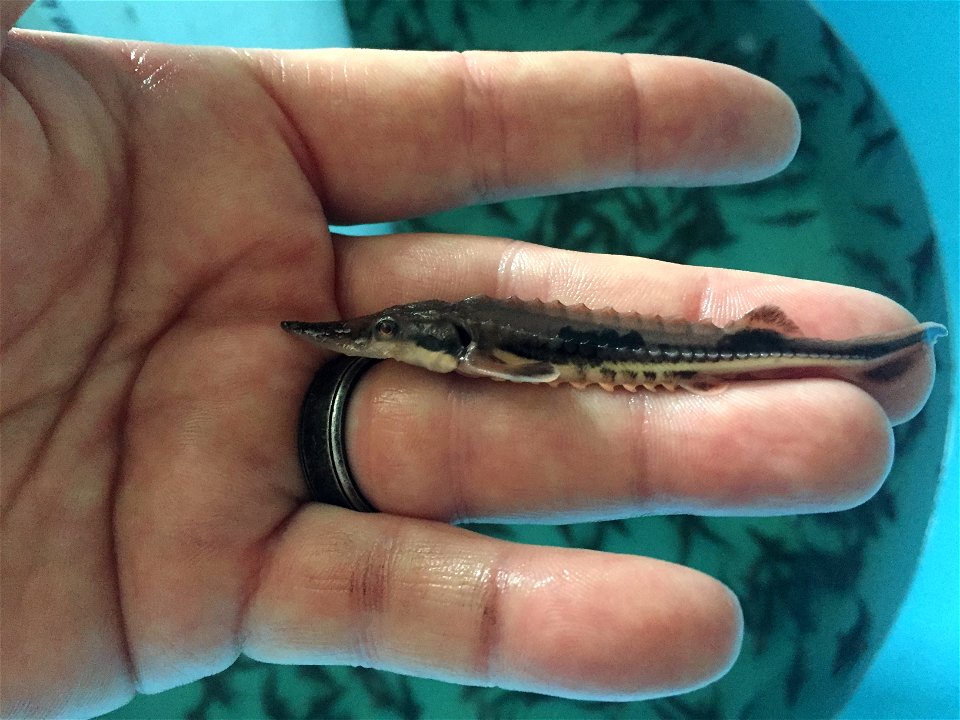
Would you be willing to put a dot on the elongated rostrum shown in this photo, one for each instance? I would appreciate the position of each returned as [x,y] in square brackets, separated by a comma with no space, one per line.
[530,341]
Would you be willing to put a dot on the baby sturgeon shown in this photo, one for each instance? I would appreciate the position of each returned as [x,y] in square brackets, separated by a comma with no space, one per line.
[537,342]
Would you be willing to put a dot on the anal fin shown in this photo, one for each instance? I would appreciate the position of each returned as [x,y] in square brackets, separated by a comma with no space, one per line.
[703,385]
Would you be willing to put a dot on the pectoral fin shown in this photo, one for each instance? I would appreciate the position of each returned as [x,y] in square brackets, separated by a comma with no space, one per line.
[501,365]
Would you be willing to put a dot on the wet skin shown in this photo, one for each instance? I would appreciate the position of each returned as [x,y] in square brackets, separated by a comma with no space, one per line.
[164,208]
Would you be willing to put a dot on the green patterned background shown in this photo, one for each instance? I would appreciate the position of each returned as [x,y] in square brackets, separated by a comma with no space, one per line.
[818,591]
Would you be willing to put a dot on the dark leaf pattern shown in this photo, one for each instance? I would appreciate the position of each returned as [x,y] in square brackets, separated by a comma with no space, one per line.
[881,276]
[693,528]
[275,706]
[797,675]
[824,81]
[790,218]
[593,536]
[922,262]
[876,142]
[767,59]
[702,226]
[867,522]
[214,690]
[832,47]
[390,693]
[58,16]
[866,109]
[852,644]
[886,213]
[807,110]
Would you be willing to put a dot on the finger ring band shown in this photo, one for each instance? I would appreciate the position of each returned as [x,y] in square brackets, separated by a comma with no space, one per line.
[320,435]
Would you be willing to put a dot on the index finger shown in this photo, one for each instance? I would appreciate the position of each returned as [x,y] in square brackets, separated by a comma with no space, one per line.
[396,134]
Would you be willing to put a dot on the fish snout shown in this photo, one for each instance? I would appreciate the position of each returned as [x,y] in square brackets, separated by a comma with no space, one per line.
[336,336]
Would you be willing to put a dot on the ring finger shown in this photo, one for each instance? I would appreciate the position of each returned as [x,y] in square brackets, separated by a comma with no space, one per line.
[453,448]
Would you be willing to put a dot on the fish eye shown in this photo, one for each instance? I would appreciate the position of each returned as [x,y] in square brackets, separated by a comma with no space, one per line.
[463,335]
[386,328]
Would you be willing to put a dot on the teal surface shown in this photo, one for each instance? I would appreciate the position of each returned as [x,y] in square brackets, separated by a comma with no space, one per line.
[915,674]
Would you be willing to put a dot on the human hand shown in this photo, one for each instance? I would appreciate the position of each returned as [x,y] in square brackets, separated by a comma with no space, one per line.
[164,208]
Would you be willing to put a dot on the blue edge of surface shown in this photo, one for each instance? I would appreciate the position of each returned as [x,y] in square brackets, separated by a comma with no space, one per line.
[910,51]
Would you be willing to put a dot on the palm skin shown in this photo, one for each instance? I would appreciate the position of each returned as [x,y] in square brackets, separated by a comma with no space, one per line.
[146,277]
[163,209]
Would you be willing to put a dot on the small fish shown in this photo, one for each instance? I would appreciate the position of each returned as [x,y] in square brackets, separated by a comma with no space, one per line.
[537,342]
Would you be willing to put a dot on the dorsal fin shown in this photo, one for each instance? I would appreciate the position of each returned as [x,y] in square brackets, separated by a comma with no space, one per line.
[766,317]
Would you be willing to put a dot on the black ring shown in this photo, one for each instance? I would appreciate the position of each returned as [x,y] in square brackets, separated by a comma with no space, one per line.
[320,442]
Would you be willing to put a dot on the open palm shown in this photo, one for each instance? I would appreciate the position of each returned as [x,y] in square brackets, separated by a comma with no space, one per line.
[164,208]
